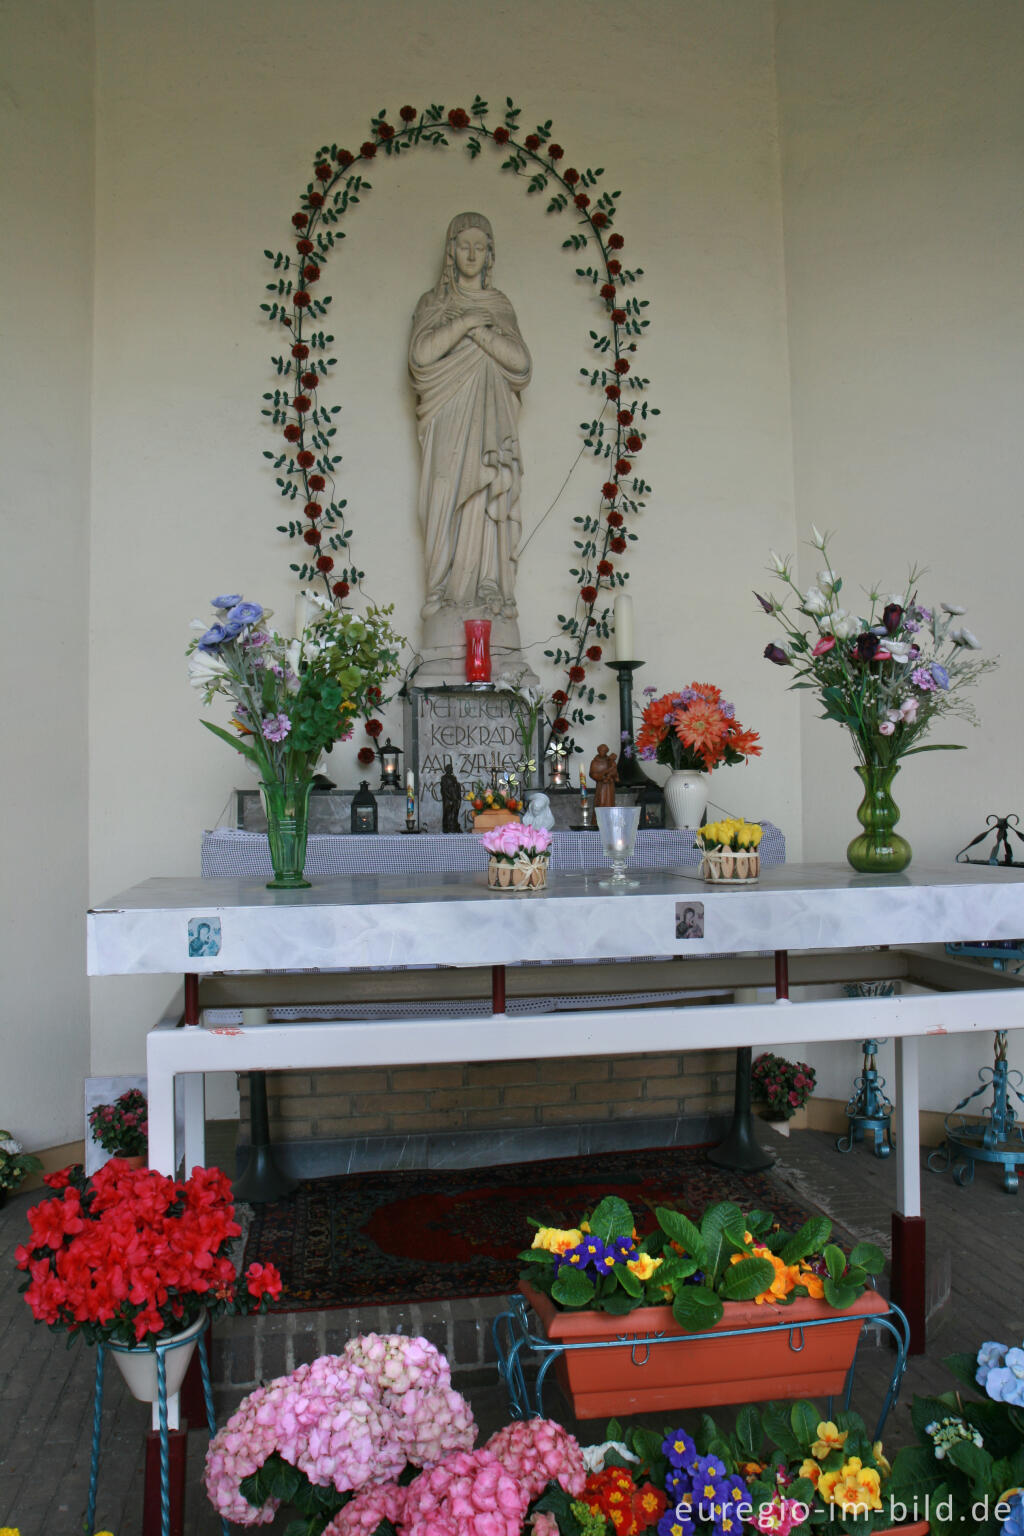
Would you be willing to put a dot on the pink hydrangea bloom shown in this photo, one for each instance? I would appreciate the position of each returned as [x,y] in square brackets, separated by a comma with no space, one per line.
[537,1452]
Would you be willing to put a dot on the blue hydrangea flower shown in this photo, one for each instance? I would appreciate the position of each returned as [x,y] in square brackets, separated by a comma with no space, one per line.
[1005,1386]
[990,1355]
[1013,1525]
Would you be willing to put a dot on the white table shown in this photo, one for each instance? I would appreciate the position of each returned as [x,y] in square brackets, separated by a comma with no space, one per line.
[397,921]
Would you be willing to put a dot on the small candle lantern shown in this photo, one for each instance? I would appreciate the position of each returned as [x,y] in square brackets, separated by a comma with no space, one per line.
[364,809]
[478,650]
[389,773]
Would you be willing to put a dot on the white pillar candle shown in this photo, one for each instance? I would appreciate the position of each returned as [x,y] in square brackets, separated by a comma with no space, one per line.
[410,793]
[624,628]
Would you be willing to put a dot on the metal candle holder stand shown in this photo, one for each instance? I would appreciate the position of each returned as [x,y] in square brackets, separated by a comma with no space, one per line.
[631,775]
[869,1107]
[997,1137]
[165,1459]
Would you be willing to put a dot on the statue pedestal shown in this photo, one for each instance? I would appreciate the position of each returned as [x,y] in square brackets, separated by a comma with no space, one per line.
[470,726]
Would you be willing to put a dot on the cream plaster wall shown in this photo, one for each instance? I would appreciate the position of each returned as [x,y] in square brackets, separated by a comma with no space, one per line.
[46,256]
[902,160]
[206,122]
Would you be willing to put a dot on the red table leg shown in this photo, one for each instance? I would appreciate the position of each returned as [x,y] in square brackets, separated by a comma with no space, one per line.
[908,1274]
[497,989]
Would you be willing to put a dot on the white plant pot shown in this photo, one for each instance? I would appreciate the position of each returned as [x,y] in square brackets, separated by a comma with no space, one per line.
[686,792]
[138,1367]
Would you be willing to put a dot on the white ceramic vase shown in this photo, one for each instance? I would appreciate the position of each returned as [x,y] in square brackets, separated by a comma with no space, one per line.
[686,793]
[138,1366]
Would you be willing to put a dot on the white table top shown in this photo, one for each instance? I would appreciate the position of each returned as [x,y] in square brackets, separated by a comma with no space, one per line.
[453,919]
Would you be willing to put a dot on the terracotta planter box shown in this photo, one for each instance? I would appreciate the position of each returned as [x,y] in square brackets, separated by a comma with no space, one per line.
[706,1370]
[486,821]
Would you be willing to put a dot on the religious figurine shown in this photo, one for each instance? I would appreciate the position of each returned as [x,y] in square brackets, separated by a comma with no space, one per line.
[469,365]
[605,773]
[539,813]
[451,800]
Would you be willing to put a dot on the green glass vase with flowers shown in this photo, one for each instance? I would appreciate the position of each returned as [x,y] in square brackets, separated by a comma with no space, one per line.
[886,675]
[292,699]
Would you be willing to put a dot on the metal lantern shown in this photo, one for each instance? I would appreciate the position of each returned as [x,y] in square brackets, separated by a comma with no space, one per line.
[390,777]
[364,810]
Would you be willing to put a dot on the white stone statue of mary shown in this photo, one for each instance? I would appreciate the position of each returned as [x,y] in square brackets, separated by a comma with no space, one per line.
[469,365]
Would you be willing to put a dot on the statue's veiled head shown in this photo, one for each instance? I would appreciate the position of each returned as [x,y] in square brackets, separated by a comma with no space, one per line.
[463,254]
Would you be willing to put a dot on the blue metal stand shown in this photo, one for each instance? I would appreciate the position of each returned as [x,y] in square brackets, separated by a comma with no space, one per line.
[517,1344]
[997,1137]
[869,1108]
[161,1381]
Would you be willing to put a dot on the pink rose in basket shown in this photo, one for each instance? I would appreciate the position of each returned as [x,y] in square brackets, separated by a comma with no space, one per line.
[508,841]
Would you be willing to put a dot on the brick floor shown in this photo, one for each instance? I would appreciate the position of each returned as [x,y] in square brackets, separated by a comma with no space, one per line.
[976,1244]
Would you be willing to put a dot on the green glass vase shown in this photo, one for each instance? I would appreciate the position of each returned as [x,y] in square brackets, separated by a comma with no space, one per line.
[287,806]
[878,850]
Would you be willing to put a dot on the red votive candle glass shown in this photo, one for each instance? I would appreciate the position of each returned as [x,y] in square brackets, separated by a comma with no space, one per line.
[478,650]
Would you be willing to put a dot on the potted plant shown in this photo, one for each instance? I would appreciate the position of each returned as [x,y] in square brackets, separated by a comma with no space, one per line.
[518,857]
[15,1164]
[495,805]
[122,1128]
[130,1259]
[782,1087]
[729,851]
[693,732]
[727,1271]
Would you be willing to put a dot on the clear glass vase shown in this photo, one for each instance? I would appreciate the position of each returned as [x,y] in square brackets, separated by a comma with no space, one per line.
[287,805]
[878,850]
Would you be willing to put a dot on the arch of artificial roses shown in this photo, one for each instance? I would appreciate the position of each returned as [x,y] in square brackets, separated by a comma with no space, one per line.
[307,465]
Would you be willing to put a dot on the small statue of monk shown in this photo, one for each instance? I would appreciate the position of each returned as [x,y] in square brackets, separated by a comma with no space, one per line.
[605,774]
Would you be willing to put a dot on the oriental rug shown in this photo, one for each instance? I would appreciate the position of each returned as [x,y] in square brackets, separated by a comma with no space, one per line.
[376,1239]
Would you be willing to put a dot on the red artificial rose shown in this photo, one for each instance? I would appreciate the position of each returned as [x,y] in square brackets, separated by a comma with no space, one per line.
[622,365]
[304,247]
[345,158]
[581,200]
[305,459]
[312,535]
[599,219]
[612,391]
[576,674]
[300,220]
[618,317]
[311,272]
[313,509]
[316,482]
[323,171]
[588,594]
[607,290]
[618,545]
[555,151]
[458,117]
[634,443]
[316,199]
[604,567]
[593,653]
[324,563]
[560,726]
[310,380]
[614,267]
[374,728]
[531,141]
[501,135]
[365,755]
[302,403]
[624,418]
[368,150]
[571,176]
[615,242]
[622,466]
[408,114]
[292,432]
[300,350]
[301,299]
[615,519]
[385,131]
[609,490]
[340,589]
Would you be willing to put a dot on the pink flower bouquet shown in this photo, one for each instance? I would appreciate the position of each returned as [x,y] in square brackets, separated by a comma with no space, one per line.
[518,857]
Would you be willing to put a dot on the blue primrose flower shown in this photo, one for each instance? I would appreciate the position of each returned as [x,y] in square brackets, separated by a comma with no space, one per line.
[1013,1525]
[679,1448]
[226,602]
[216,635]
[575,1258]
[623,1248]
[709,1478]
[245,613]
[592,1250]
[679,1522]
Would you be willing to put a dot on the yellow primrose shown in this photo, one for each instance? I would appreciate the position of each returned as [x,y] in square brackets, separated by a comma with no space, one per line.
[885,1468]
[643,1266]
[557,1239]
[810,1470]
[813,1284]
[829,1439]
[855,1488]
